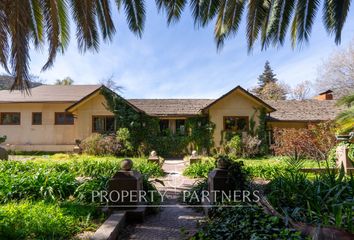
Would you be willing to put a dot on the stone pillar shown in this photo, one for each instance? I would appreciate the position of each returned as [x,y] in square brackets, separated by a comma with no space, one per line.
[154,158]
[194,158]
[343,158]
[218,181]
[125,187]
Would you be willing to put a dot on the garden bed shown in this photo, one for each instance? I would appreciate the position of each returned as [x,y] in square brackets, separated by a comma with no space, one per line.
[49,196]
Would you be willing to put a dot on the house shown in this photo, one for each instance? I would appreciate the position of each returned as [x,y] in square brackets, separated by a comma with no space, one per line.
[53,117]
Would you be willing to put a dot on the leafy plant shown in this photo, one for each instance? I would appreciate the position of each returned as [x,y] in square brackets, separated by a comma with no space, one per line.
[100,145]
[201,169]
[2,139]
[244,221]
[234,146]
[328,200]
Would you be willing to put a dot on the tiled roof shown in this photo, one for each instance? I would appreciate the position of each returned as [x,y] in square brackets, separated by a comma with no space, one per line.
[305,110]
[49,93]
[286,110]
[171,107]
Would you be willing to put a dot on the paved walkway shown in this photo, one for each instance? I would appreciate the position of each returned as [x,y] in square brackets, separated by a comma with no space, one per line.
[173,221]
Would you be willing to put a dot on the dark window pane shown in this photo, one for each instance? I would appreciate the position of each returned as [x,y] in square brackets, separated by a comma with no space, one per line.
[164,125]
[10,118]
[235,124]
[36,118]
[180,126]
[103,124]
[64,118]
[98,124]
[109,124]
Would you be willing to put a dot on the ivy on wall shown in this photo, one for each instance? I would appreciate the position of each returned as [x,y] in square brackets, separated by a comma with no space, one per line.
[145,131]
[201,133]
[262,131]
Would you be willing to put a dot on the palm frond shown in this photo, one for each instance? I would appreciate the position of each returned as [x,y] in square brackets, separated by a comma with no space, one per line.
[346,100]
[135,14]
[173,8]
[205,10]
[19,20]
[283,12]
[57,28]
[334,16]
[305,13]
[105,19]
[228,20]
[255,17]
[37,22]
[84,14]
[4,37]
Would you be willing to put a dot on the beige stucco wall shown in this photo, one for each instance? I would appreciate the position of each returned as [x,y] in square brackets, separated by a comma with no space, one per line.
[31,135]
[48,136]
[234,104]
[95,106]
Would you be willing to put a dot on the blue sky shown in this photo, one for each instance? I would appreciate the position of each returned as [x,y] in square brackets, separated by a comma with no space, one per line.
[182,62]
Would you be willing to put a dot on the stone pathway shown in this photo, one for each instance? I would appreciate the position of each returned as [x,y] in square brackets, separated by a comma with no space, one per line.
[173,221]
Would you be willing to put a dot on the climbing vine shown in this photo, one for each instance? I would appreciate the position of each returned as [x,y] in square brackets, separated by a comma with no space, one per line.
[145,132]
[262,131]
[201,133]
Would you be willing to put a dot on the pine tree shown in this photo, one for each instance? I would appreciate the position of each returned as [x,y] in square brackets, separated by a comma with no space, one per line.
[267,76]
[268,87]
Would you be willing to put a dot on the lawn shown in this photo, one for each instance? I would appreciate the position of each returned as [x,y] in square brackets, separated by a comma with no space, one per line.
[49,196]
[265,167]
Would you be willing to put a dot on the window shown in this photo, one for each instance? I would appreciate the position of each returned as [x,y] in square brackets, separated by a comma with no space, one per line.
[37,118]
[235,124]
[103,124]
[10,118]
[64,118]
[180,126]
[164,125]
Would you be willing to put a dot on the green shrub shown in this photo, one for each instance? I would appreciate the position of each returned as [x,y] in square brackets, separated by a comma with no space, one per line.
[244,222]
[2,139]
[327,200]
[234,146]
[199,170]
[40,220]
[123,137]
[101,145]
[55,179]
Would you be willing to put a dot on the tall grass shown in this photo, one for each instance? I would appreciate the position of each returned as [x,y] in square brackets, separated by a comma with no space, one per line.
[327,200]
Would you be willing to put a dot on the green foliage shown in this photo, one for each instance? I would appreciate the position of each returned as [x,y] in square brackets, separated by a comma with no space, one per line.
[41,220]
[101,145]
[234,146]
[328,200]
[198,188]
[54,179]
[2,139]
[346,118]
[201,132]
[262,132]
[123,137]
[244,222]
[201,169]
[144,131]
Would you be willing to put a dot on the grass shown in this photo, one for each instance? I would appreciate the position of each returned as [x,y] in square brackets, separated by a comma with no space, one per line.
[41,197]
[46,220]
[265,167]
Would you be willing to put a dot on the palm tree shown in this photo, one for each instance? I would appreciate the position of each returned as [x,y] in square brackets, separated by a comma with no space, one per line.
[345,119]
[23,22]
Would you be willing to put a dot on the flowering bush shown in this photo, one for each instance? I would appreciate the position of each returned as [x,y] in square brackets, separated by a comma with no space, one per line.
[100,145]
[314,142]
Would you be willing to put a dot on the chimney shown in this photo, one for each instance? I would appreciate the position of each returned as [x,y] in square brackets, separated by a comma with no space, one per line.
[327,95]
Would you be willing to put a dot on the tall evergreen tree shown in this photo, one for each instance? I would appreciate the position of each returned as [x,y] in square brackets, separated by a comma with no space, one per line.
[267,76]
[268,87]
